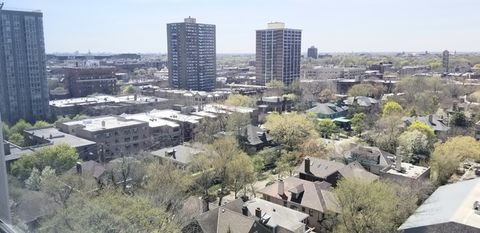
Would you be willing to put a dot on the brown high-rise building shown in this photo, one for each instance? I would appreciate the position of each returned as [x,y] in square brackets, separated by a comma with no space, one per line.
[278,54]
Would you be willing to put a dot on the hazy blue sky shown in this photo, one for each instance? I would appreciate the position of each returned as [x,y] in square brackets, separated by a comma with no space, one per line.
[330,25]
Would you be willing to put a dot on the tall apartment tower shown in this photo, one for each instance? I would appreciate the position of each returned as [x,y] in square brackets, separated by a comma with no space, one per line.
[312,52]
[23,77]
[191,55]
[446,61]
[278,54]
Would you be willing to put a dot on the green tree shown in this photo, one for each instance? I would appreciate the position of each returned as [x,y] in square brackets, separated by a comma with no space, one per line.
[290,129]
[41,124]
[386,132]
[239,100]
[414,143]
[459,120]
[17,139]
[358,123]
[368,207]
[240,173]
[110,212]
[34,181]
[422,127]
[392,108]
[327,127]
[364,90]
[19,127]
[128,90]
[314,147]
[447,157]
[238,122]
[287,163]
[60,158]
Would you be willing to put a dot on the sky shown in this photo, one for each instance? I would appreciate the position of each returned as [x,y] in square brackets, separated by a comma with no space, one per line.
[139,26]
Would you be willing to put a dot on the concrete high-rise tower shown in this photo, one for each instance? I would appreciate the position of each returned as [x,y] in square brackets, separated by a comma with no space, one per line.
[446,61]
[278,54]
[192,55]
[23,77]
[312,52]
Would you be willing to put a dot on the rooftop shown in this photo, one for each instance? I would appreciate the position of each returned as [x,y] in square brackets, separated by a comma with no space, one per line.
[181,154]
[408,170]
[103,123]
[103,99]
[277,215]
[449,203]
[153,121]
[56,137]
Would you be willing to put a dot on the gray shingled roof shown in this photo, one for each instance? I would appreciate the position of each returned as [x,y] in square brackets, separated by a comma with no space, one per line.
[315,196]
[449,203]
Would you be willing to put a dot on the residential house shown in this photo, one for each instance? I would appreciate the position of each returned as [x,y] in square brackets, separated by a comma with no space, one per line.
[328,110]
[439,126]
[316,169]
[275,104]
[386,165]
[367,104]
[256,139]
[312,198]
[451,208]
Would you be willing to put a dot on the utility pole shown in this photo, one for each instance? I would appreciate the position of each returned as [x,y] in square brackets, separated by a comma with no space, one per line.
[4,202]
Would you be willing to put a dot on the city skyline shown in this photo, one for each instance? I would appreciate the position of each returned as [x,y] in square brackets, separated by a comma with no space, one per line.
[120,26]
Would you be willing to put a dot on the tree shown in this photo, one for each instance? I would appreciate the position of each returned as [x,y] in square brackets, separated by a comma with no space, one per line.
[327,127]
[239,100]
[34,181]
[413,143]
[459,120]
[275,88]
[111,211]
[207,129]
[19,127]
[364,90]
[314,147]
[17,139]
[387,130]
[240,173]
[425,103]
[447,156]
[358,123]
[287,163]
[474,97]
[422,127]
[290,129]
[41,124]
[124,171]
[238,122]
[202,168]
[60,158]
[392,108]
[368,207]
[128,90]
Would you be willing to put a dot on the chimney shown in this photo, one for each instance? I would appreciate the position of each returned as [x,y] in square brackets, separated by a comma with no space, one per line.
[79,168]
[173,154]
[430,119]
[103,124]
[307,165]
[135,97]
[258,212]
[245,211]
[398,163]
[281,187]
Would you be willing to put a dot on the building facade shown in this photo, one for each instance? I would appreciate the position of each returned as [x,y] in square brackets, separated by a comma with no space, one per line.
[191,55]
[312,52]
[82,82]
[278,54]
[23,77]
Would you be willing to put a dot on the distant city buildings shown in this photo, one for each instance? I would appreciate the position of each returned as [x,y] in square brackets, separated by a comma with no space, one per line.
[23,81]
[191,55]
[446,61]
[312,52]
[278,54]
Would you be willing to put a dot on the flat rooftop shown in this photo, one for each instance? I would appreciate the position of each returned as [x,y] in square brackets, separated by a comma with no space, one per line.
[56,137]
[408,170]
[183,154]
[175,116]
[104,99]
[103,123]
[153,120]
